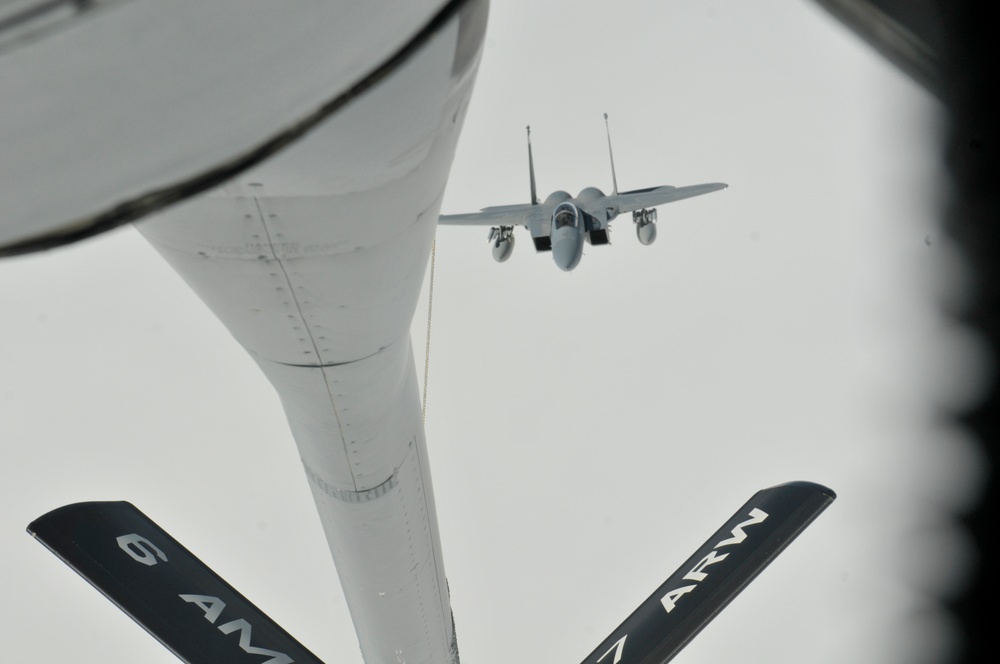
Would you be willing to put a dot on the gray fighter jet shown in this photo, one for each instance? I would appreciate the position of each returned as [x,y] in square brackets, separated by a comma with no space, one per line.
[561,223]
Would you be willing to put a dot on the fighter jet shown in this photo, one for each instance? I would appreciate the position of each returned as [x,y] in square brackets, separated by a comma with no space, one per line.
[562,224]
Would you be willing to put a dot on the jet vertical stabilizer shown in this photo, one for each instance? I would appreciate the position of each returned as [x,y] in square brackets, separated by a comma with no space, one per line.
[531,171]
[611,154]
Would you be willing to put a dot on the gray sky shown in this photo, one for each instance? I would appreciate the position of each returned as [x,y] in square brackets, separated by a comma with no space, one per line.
[588,430]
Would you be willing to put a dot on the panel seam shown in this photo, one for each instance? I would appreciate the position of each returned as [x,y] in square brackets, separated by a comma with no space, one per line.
[309,332]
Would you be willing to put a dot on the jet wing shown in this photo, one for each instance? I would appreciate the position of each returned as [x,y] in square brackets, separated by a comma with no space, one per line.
[501,215]
[647,198]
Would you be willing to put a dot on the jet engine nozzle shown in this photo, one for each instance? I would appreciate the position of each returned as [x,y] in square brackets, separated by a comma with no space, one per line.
[645,225]
[503,242]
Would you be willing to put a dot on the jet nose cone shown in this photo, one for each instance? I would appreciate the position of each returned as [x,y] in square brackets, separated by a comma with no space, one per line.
[566,253]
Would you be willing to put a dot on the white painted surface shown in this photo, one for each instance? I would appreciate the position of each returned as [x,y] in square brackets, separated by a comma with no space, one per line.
[138,95]
[314,263]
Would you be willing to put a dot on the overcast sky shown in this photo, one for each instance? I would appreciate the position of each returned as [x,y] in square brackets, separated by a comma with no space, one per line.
[587,431]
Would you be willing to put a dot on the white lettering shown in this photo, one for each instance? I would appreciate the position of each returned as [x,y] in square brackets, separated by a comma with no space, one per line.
[141,549]
[212,606]
[756,516]
[244,627]
[669,601]
[698,573]
[617,647]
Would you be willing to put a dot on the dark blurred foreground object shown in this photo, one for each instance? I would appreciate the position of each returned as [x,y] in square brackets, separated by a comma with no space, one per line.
[951,48]
[971,218]
[909,33]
